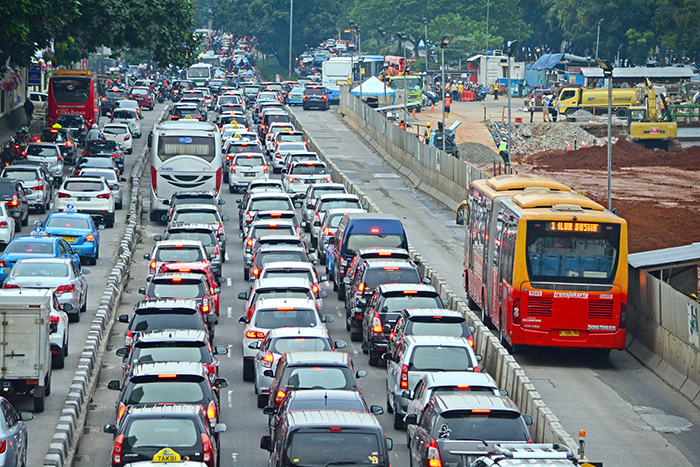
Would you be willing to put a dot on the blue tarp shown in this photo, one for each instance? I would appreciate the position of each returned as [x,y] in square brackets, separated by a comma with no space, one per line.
[546,61]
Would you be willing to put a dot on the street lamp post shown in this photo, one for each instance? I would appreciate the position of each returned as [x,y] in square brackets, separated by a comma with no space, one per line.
[291,13]
[511,50]
[597,42]
[360,61]
[402,38]
[425,43]
[446,39]
[607,72]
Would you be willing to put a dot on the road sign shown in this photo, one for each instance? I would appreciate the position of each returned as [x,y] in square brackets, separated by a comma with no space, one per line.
[34,75]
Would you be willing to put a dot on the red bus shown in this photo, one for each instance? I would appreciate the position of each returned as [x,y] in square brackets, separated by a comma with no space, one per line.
[546,265]
[72,92]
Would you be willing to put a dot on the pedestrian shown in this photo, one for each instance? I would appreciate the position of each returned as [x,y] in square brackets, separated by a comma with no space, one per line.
[427,133]
[447,105]
[555,109]
[455,92]
[495,91]
[460,90]
[545,109]
[29,110]
[402,125]
[532,107]
[503,151]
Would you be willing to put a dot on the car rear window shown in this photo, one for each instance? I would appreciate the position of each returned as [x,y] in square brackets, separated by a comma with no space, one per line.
[37,269]
[7,189]
[318,448]
[428,326]
[25,175]
[167,392]
[205,237]
[115,130]
[158,322]
[279,256]
[123,114]
[250,161]
[30,247]
[180,290]
[289,274]
[356,241]
[287,138]
[161,432]
[41,151]
[270,205]
[70,222]
[390,275]
[498,425]
[267,294]
[440,358]
[183,255]
[403,302]
[261,231]
[299,344]
[139,92]
[338,204]
[192,217]
[173,352]
[273,319]
[84,186]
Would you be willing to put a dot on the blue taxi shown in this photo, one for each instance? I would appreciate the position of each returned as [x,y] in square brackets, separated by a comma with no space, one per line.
[38,244]
[296,96]
[79,230]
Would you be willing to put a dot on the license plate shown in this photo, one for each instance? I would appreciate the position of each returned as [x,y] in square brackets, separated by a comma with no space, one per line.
[69,239]
[568,333]
[249,174]
[6,384]
[83,198]
[307,181]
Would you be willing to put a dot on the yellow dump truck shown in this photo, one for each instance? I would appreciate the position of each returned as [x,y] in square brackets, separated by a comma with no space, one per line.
[596,100]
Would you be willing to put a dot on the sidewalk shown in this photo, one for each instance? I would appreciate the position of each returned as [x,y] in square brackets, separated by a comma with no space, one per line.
[8,125]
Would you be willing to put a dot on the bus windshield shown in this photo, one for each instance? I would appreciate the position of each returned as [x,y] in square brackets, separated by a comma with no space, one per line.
[71,89]
[572,252]
[172,146]
[198,72]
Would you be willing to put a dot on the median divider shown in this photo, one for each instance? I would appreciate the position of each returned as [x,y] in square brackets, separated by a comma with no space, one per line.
[495,358]
[72,419]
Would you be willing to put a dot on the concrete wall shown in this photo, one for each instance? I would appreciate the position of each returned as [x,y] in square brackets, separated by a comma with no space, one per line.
[664,326]
[496,360]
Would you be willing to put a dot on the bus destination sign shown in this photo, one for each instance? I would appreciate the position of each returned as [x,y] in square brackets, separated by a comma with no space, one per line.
[578,227]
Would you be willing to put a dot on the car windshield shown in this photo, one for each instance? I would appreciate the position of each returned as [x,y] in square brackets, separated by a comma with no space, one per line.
[41,151]
[317,377]
[403,302]
[493,426]
[173,352]
[67,222]
[165,391]
[273,319]
[182,255]
[357,241]
[196,217]
[279,256]
[442,326]
[440,358]
[339,204]
[161,432]
[158,322]
[390,274]
[205,237]
[39,269]
[115,130]
[30,247]
[318,448]
[84,186]
[180,290]
[25,175]
[299,344]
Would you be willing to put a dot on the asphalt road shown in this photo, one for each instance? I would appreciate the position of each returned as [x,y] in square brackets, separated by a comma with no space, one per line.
[42,428]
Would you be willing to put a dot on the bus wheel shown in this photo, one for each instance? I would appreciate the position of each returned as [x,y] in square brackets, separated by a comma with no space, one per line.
[501,332]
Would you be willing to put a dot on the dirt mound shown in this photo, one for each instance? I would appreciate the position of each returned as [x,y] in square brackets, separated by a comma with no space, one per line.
[477,153]
[624,154]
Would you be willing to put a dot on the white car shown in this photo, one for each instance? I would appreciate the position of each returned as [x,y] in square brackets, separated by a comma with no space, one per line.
[302,174]
[272,134]
[115,183]
[59,336]
[208,99]
[246,168]
[120,133]
[7,225]
[89,195]
[281,152]
[129,117]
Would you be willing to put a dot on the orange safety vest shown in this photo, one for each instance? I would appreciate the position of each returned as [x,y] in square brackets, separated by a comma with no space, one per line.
[448,101]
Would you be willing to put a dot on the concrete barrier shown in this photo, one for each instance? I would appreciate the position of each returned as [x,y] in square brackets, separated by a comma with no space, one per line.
[495,358]
[72,419]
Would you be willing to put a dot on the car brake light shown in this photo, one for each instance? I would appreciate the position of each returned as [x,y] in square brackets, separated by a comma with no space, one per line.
[127,137]
[434,455]
[211,368]
[255,334]
[265,168]
[117,450]
[377,324]
[205,305]
[410,292]
[14,201]
[278,397]
[3,224]
[65,289]
[12,286]
[63,195]
[153,264]
[249,243]
[256,271]
[129,339]
[374,230]
[470,339]
[315,288]
[211,412]
[120,412]
[326,230]
[37,188]
[105,196]
[115,155]
[207,449]
[267,360]
[391,268]
[3,446]
[219,174]
[404,376]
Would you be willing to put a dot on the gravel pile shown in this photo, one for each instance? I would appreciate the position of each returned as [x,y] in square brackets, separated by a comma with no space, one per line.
[477,153]
[531,138]
[582,116]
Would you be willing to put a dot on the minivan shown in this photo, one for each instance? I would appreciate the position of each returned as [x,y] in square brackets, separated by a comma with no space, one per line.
[362,230]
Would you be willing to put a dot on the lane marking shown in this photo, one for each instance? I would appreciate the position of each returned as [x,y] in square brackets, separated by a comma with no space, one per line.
[226,256]
[229,396]
[229,311]
[229,282]
[230,350]
[234,457]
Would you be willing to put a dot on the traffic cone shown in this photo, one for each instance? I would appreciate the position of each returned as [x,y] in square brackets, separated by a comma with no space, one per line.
[602,143]
[432,108]
[585,143]
[568,146]
[414,114]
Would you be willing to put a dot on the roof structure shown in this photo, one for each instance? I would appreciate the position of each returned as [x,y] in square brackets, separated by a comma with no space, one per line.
[667,258]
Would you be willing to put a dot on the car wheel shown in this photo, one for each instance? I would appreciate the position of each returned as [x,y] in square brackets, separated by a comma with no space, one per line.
[58,360]
[246,275]
[39,404]
[18,225]
[231,189]
[389,409]
[42,209]
[109,221]
[25,221]
[118,206]
[373,359]
[74,317]
[262,401]
[356,336]
[226,176]
[398,421]
[248,370]
[154,216]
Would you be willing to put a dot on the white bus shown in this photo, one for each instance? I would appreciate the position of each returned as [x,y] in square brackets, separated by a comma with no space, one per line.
[336,71]
[200,73]
[213,60]
[185,156]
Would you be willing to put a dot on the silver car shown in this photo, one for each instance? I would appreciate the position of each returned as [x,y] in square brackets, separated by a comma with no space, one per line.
[49,155]
[313,192]
[60,274]
[114,181]
[13,435]
[246,168]
[35,179]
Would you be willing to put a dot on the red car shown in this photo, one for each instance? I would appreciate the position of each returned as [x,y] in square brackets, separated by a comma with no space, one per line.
[195,268]
[142,95]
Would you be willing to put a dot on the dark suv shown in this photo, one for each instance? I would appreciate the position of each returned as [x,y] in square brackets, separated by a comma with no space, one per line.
[204,233]
[14,195]
[109,100]
[147,432]
[316,97]
[75,123]
[64,139]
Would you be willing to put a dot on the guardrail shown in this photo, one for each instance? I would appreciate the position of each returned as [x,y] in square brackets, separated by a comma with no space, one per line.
[70,426]
[495,358]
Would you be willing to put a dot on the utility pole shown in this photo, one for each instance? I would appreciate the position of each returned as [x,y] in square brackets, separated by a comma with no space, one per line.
[291,14]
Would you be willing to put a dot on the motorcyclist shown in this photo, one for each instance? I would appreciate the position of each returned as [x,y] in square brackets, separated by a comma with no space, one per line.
[94,133]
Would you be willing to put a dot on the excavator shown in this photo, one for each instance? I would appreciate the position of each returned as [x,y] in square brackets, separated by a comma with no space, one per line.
[644,124]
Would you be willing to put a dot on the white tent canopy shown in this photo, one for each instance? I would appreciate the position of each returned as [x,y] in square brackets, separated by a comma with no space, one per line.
[373,87]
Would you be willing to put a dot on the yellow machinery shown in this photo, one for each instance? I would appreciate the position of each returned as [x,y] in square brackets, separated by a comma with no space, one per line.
[645,125]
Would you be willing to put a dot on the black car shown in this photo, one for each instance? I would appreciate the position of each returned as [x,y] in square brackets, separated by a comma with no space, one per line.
[316,97]
[108,147]
[14,195]
[205,233]
[75,123]
[146,431]
[109,101]
[64,139]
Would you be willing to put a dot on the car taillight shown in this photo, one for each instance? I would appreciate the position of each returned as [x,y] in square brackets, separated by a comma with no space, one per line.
[129,339]
[229,158]
[37,188]
[219,174]
[324,97]
[233,168]
[249,243]
[255,335]
[11,286]
[105,196]
[377,324]
[516,311]
[207,450]
[65,289]
[404,376]
[3,446]
[265,168]
[256,271]
[3,224]
[127,137]
[315,288]
[326,230]
[58,157]
[2,263]
[211,412]
[120,412]
[279,397]
[211,368]
[361,287]
[154,180]
[205,305]
[117,450]
[267,360]
[115,155]
[434,454]
[63,195]
[470,339]
[153,264]
[14,201]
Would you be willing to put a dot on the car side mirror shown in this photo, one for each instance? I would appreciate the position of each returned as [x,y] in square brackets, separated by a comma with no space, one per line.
[114,385]
[411,419]
[269,410]
[225,217]
[241,235]
[243,320]
[360,374]
[27,191]
[328,319]
[389,444]
[331,240]
[365,207]
[426,280]
[362,303]
[15,215]
[111,429]
[479,358]
[123,318]
[212,319]
[310,206]
[147,256]
[254,345]
[240,205]
[142,290]
[100,226]
[220,428]
[122,352]
[376,409]
[312,250]
[166,202]
[503,392]
[387,328]
[122,179]
[317,223]
[221,202]
[220,383]
[322,294]
[445,302]
[157,238]
[66,307]
[222,238]
[406,394]
[347,280]
[26,416]
[220,350]
[39,224]
[266,443]
[243,296]
[527,419]
[6,271]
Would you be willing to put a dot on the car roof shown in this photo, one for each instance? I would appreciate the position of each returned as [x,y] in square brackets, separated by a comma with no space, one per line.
[173,335]
[202,194]
[164,409]
[266,248]
[338,196]
[415,312]
[197,206]
[29,259]
[78,215]
[394,287]
[297,332]
[321,394]
[281,282]
[272,221]
[274,303]
[469,378]
[36,238]
[269,194]
[169,368]
[177,275]
[175,243]
[325,418]
[166,304]
[187,227]
[468,401]
[318,357]
[380,249]
[446,341]
[389,263]
[315,186]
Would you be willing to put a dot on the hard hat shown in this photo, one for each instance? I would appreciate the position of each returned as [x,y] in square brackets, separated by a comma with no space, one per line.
[94,126]
[57,125]
[428,125]
[504,139]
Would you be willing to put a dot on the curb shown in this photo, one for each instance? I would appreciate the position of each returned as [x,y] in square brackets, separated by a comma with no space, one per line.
[69,430]
[495,358]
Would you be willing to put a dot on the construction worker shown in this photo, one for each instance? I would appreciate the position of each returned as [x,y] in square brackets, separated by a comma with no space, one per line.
[447,105]
[503,151]
[427,133]
[460,90]
[402,125]
[531,106]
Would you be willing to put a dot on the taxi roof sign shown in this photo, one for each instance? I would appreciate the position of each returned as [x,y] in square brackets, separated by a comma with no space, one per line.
[167,455]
